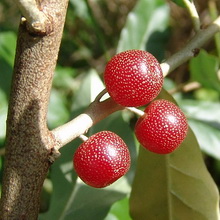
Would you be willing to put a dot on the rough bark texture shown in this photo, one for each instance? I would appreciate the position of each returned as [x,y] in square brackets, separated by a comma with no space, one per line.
[28,140]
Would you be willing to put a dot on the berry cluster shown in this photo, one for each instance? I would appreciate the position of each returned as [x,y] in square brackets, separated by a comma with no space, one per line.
[133,78]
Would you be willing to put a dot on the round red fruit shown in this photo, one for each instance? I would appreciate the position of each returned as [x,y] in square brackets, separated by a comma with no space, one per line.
[102,159]
[162,128]
[133,78]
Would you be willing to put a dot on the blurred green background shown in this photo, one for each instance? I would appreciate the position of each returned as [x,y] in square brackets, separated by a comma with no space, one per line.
[95,31]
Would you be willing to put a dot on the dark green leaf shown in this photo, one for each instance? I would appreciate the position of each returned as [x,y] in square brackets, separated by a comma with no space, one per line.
[174,186]
[179,2]
[146,18]
[63,179]
[7,47]
[204,69]
[7,54]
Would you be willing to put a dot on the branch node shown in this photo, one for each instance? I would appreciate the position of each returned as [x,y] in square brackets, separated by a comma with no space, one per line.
[100,95]
[196,52]
[54,154]
[36,20]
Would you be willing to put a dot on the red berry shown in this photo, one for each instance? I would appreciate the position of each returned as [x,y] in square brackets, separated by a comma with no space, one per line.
[162,128]
[102,159]
[133,78]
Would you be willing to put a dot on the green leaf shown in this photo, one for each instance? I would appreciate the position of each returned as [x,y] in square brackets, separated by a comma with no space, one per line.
[203,69]
[64,78]
[119,211]
[174,186]
[204,94]
[7,54]
[204,119]
[7,47]
[201,110]
[63,180]
[208,137]
[146,18]
[180,3]
[90,87]
[80,9]
[57,111]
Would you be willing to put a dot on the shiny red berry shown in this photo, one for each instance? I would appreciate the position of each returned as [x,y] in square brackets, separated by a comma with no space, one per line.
[162,128]
[133,78]
[102,159]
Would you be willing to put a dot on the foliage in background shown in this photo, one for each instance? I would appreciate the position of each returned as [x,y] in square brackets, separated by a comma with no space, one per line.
[87,45]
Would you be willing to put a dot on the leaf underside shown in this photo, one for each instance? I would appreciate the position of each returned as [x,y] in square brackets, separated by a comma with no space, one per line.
[174,186]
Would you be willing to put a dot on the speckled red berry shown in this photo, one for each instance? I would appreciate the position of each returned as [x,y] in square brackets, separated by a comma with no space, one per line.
[162,128]
[102,159]
[133,78]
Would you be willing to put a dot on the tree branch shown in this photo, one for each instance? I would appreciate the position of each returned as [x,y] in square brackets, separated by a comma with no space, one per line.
[28,141]
[37,20]
[191,49]
[99,110]
[193,14]
[96,112]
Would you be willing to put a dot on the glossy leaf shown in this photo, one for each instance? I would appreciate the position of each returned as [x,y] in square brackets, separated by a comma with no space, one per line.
[208,135]
[174,186]
[147,18]
[204,119]
[201,110]
[204,69]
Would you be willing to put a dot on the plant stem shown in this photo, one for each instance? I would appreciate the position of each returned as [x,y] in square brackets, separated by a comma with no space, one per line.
[29,143]
[191,49]
[83,137]
[136,111]
[96,112]
[99,110]
[193,14]
[33,15]
[214,14]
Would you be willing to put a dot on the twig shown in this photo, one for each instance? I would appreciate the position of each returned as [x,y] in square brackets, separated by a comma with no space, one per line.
[136,111]
[193,14]
[83,137]
[214,14]
[191,49]
[100,110]
[186,87]
[36,19]
[79,125]
[100,95]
